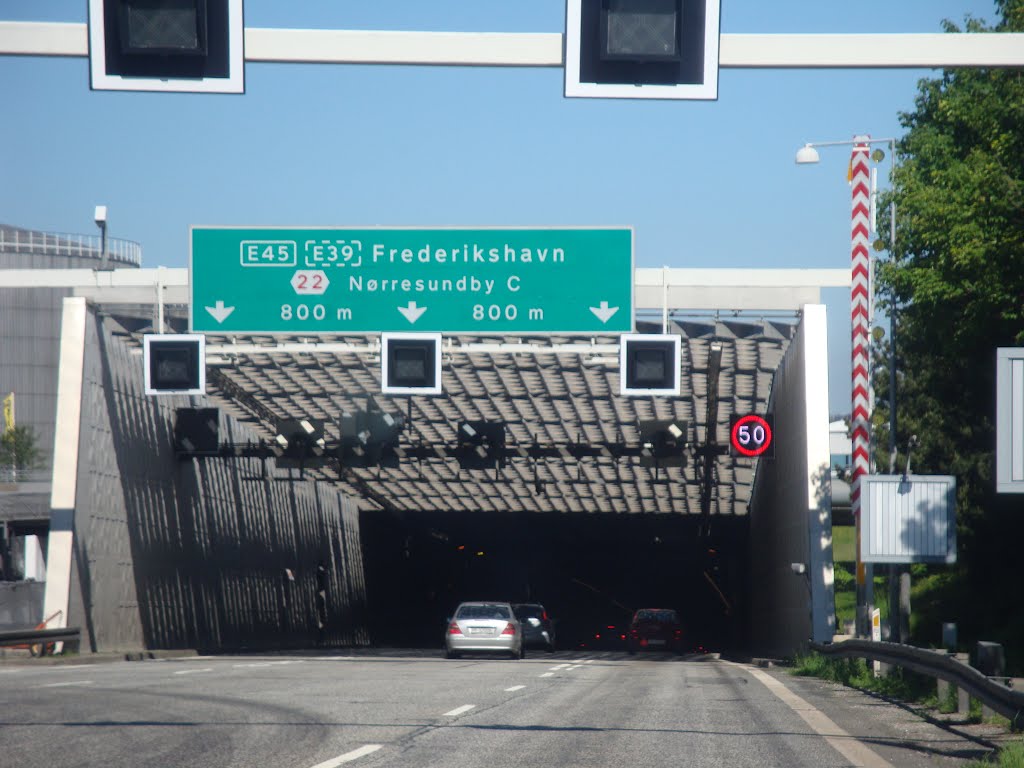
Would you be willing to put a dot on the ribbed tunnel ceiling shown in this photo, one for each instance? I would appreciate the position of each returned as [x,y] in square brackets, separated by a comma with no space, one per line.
[547,399]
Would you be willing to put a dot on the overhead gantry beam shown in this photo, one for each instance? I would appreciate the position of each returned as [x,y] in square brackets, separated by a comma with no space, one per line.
[546,49]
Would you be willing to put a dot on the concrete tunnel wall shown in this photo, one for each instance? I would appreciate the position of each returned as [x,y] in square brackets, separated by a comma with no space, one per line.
[147,551]
[790,510]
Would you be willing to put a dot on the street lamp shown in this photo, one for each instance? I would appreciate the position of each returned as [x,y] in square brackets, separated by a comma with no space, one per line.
[100,217]
[863,207]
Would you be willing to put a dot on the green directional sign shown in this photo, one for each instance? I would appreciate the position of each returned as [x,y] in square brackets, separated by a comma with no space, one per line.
[474,281]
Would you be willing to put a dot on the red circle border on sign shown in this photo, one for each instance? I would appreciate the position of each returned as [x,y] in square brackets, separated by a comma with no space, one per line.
[752,417]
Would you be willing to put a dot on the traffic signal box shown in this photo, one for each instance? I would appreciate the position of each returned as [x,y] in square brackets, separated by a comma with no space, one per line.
[174,364]
[166,45]
[642,49]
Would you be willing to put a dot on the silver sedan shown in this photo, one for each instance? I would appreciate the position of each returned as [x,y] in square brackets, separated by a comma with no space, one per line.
[483,627]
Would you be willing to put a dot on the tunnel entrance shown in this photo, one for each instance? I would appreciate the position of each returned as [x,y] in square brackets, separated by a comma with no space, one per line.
[590,571]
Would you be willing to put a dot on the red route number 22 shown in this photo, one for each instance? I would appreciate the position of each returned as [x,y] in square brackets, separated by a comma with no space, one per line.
[752,436]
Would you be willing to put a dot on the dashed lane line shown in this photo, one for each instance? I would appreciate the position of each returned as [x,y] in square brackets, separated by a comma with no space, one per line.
[64,685]
[348,757]
[193,671]
[515,688]
[459,710]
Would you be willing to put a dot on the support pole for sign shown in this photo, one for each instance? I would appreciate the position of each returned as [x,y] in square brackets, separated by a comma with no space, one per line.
[860,294]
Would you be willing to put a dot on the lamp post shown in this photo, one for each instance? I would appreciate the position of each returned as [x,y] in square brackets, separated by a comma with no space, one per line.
[100,217]
[862,222]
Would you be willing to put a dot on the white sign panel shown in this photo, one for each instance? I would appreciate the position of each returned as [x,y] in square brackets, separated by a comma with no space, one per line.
[1010,420]
[908,519]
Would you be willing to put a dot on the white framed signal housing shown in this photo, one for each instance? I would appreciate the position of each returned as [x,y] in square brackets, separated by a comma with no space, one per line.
[194,343]
[102,80]
[706,90]
[670,341]
[431,344]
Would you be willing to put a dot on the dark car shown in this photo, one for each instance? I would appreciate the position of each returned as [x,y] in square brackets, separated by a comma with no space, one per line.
[538,629]
[655,629]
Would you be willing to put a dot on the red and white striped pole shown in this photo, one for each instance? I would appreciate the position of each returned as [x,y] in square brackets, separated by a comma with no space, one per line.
[860,298]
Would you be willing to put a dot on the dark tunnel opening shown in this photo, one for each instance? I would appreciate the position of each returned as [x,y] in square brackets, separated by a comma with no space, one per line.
[590,572]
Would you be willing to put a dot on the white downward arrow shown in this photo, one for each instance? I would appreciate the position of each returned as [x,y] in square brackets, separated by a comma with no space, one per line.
[412,312]
[604,312]
[220,312]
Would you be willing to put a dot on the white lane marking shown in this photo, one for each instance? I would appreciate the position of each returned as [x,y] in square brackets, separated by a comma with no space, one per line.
[560,666]
[849,747]
[61,667]
[348,757]
[61,685]
[459,710]
[515,688]
[548,674]
[574,666]
[586,661]
[247,666]
[193,671]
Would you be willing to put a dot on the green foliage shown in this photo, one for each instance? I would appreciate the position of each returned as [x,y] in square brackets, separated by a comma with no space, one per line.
[1009,756]
[857,673]
[956,279]
[18,449]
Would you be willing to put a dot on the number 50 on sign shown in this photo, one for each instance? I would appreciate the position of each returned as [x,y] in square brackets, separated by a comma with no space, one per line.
[752,436]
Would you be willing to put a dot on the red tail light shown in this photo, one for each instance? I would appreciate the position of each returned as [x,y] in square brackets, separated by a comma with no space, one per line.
[510,629]
[544,616]
[453,629]
[679,633]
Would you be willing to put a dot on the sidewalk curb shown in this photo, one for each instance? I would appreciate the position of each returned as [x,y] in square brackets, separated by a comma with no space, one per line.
[104,657]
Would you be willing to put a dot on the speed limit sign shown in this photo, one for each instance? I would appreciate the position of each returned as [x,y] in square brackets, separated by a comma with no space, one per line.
[752,436]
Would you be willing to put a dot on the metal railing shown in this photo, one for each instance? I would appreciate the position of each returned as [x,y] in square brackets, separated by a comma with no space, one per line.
[940,665]
[64,244]
[40,641]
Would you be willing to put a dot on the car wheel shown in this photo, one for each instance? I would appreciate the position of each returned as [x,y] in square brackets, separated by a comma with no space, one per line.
[551,648]
[450,654]
[521,653]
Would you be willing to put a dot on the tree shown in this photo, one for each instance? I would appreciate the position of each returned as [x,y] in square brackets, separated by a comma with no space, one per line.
[956,285]
[18,449]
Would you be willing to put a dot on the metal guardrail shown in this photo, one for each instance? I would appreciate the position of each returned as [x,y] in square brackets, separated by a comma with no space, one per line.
[10,637]
[66,244]
[999,698]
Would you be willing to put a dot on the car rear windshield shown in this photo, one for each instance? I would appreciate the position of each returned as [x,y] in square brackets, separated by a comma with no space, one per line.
[529,611]
[483,612]
[653,615]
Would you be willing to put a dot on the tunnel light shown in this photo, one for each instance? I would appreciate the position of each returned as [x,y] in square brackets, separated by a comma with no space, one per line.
[197,431]
[301,442]
[481,444]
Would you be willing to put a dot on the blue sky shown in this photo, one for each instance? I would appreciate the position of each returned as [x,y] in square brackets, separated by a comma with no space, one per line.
[704,184]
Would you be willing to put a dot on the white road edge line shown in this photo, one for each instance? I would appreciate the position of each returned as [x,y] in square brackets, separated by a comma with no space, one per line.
[61,685]
[348,757]
[849,747]
[193,671]
[459,710]
[515,688]
[548,674]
